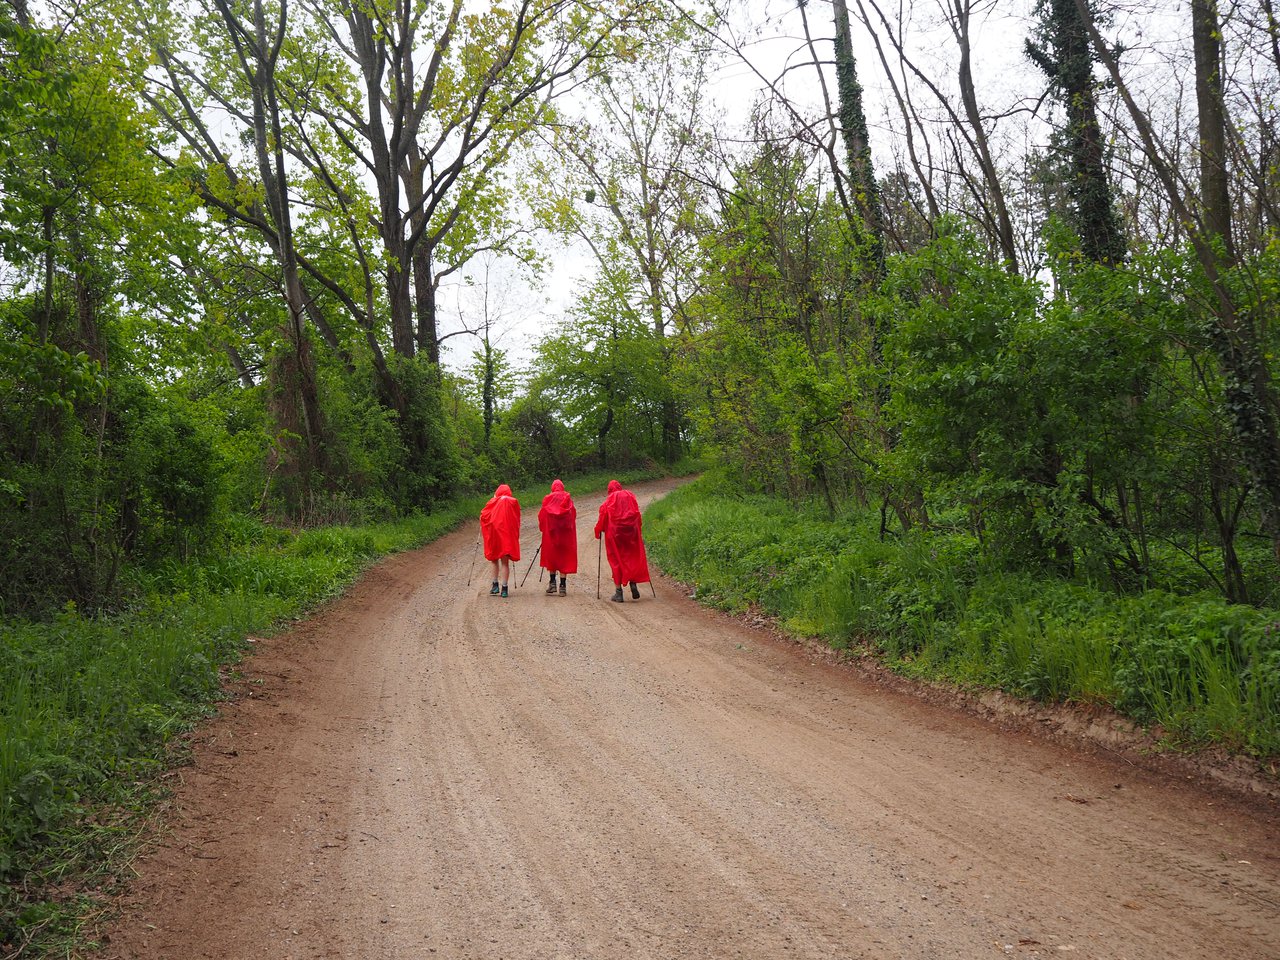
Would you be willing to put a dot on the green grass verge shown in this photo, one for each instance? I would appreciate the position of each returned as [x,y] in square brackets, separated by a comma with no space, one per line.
[1203,669]
[90,707]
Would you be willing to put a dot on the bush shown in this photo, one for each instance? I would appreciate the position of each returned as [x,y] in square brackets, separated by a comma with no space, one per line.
[1203,668]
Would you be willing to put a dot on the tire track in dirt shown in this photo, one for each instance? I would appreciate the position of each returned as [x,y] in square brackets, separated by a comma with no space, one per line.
[422,771]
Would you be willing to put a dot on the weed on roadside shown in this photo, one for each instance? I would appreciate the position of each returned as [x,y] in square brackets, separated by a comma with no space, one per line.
[1205,670]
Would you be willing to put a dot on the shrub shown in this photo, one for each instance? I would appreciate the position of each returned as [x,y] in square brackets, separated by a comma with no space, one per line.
[1201,667]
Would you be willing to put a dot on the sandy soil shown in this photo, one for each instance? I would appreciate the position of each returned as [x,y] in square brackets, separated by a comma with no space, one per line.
[425,771]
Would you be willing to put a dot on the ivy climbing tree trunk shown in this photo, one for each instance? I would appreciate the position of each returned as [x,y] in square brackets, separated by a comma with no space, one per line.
[857,143]
[1064,55]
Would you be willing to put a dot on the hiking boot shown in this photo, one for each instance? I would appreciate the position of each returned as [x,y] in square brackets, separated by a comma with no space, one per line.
[551,587]
[504,591]
[563,587]
[635,591]
[493,591]
[617,596]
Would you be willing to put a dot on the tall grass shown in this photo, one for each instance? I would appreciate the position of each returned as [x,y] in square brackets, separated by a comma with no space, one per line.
[89,706]
[1202,668]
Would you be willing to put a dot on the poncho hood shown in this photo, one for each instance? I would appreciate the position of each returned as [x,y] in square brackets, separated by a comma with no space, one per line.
[623,507]
[558,501]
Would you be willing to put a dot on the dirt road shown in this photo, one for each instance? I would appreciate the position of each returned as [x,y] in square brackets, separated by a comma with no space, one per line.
[425,771]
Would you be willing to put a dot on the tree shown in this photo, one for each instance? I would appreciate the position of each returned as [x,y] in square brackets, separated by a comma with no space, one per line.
[636,166]
[779,359]
[603,372]
[257,51]
[1063,53]
[85,443]
[1211,123]
[1250,396]
[444,96]
[853,128]
[427,102]
[493,306]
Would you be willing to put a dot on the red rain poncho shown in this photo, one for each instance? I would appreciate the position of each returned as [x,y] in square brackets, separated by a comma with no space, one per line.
[558,521]
[620,523]
[500,525]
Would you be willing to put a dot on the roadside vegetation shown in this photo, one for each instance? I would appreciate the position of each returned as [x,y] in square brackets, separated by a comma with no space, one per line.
[930,605]
[92,706]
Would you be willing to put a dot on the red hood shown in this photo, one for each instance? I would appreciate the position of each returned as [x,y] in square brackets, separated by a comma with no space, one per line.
[621,504]
[558,502]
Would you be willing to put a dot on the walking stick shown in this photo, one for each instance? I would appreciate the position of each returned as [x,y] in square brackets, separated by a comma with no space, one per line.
[473,563]
[599,543]
[526,573]
[655,592]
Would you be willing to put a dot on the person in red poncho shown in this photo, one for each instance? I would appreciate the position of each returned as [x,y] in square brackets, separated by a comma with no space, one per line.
[500,528]
[558,521]
[620,523]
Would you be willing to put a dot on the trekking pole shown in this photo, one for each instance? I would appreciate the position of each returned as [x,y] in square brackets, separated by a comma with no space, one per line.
[526,573]
[472,571]
[599,541]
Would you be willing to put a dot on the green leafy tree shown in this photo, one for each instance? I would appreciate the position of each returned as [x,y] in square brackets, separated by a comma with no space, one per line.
[633,184]
[602,373]
[81,201]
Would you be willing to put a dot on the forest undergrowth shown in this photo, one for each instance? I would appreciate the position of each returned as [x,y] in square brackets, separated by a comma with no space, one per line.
[92,708]
[929,604]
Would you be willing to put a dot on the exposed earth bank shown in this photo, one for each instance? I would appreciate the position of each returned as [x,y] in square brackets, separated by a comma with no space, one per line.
[424,771]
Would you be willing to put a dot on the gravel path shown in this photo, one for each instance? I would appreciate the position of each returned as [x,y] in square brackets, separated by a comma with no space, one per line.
[424,771]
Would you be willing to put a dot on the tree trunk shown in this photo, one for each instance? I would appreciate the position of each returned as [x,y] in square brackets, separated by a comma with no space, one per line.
[1067,60]
[487,390]
[424,289]
[969,97]
[297,401]
[399,294]
[238,364]
[1226,518]
[46,312]
[1215,194]
[857,142]
[327,333]
[604,434]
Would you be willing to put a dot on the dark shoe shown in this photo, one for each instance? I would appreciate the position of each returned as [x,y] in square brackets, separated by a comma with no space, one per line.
[563,587]
[504,591]
[617,596]
[551,587]
[635,591]
[493,591]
